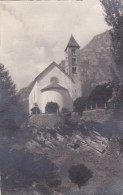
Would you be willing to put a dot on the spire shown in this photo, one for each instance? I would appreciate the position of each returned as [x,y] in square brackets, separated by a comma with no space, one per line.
[72,43]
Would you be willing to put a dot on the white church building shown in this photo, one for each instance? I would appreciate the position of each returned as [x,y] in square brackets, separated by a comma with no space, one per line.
[57,85]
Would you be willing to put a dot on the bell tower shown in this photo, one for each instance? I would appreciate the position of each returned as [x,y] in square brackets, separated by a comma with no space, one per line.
[72,66]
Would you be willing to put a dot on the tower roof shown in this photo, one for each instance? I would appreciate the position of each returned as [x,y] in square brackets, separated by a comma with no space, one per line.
[72,43]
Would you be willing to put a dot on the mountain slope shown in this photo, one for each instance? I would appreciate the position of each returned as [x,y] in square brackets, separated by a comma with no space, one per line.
[97,65]
[40,159]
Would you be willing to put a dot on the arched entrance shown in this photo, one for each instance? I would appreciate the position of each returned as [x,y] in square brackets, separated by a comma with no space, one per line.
[57,94]
[52,107]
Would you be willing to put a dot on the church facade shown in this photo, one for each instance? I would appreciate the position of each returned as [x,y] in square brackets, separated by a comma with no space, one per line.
[57,85]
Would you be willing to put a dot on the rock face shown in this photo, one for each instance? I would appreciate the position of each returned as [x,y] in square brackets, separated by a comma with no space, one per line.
[97,65]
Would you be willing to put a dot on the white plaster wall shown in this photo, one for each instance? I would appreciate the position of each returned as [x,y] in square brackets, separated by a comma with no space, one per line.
[33,97]
[62,97]
[64,81]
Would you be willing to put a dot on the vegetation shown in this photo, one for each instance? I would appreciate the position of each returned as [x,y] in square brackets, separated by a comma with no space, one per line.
[79,105]
[11,110]
[52,107]
[114,17]
[35,109]
[100,95]
[65,112]
[80,174]
[25,170]
[110,93]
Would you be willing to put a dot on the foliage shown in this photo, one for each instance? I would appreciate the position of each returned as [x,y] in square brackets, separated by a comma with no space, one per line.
[24,169]
[114,18]
[110,93]
[11,110]
[100,95]
[35,109]
[52,107]
[117,96]
[79,174]
[65,112]
[79,104]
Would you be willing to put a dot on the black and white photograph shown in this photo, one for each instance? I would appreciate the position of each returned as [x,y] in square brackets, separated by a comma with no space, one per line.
[61,97]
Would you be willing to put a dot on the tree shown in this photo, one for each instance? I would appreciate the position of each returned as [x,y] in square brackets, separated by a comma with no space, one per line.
[25,168]
[79,174]
[100,95]
[35,109]
[79,105]
[11,111]
[52,107]
[114,17]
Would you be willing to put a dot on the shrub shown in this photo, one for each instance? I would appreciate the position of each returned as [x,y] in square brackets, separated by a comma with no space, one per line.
[25,168]
[66,112]
[79,105]
[100,95]
[79,174]
[52,107]
[35,109]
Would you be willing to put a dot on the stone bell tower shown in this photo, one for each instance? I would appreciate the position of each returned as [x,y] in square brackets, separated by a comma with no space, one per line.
[72,66]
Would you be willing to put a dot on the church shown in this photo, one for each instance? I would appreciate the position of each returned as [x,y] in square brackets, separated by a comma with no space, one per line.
[59,85]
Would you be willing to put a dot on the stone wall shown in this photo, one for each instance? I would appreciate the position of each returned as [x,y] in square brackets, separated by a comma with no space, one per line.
[99,115]
[47,120]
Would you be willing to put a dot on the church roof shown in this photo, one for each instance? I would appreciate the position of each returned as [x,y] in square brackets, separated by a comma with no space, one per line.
[53,86]
[72,43]
[42,74]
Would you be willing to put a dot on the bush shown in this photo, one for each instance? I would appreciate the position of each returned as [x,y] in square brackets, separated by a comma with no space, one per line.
[100,95]
[35,109]
[79,174]
[24,169]
[66,112]
[52,107]
[79,105]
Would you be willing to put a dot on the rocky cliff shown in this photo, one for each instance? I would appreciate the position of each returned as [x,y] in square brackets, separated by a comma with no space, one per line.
[97,65]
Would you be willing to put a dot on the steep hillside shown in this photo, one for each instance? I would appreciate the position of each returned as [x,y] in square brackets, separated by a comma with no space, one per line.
[97,64]
[40,159]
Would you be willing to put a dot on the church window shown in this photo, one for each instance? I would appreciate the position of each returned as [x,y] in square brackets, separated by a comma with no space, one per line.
[73,51]
[74,70]
[73,61]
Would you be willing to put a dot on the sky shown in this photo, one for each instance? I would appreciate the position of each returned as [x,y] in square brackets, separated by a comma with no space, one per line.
[33,34]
